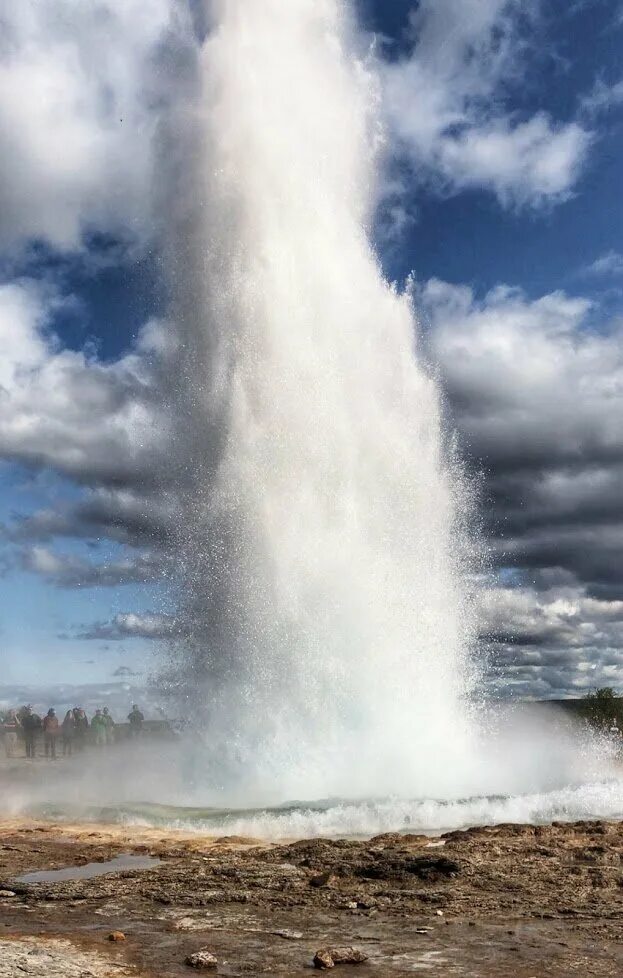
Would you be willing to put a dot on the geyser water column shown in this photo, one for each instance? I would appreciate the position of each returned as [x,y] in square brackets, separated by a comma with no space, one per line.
[324,618]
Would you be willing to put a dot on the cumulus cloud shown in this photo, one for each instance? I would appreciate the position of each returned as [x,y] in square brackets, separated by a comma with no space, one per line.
[105,426]
[608,265]
[537,393]
[71,571]
[562,642]
[537,388]
[95,422]
[78,87]
[602,98]
[136,515]
[446,104]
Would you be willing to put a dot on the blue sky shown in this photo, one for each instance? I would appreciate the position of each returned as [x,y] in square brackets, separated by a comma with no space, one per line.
[510,175]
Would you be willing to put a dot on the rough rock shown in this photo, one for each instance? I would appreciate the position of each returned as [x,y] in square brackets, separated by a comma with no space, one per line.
[54,958]
[288,935]
[189,923]
[202,960]
[7,893]
[387,865]
[328,957]
[323,879]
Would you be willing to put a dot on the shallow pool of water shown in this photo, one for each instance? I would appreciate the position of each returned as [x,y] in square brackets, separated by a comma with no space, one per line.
[89,870]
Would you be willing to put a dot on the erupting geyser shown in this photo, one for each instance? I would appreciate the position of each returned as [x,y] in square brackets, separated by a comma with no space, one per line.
[323,551]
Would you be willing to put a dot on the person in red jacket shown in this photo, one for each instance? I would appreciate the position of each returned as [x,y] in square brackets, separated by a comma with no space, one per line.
[50,733]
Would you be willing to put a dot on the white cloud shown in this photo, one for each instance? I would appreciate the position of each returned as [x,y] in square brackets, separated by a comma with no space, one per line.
[534,382]
[603,98]
[105,425]
[563,618]
[77,111]
[66,409]
[72,571]
[537,394]
[23,318]
[445,103]
[560,643]
[610,264]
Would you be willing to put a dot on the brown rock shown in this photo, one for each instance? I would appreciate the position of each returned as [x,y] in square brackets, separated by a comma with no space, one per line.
[323,959]
[202,959]
[323,879]
[328,957]
[116,935]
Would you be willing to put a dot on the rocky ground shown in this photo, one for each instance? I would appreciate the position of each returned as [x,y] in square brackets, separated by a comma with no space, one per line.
[511,900]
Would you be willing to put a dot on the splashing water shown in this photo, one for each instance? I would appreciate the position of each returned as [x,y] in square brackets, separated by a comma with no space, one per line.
[324,617]
[325,622]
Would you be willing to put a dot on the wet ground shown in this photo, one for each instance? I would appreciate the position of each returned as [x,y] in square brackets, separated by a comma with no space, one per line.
[89,870]
[515,901]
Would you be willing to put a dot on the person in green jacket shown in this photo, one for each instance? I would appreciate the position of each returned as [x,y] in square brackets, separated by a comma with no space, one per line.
[99,726]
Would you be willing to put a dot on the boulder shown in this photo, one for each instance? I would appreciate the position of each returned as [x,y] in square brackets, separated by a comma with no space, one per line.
[202,960]
[323,879]
[116,935]
[328,957]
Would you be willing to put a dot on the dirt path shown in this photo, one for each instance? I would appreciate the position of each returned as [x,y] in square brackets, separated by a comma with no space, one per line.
[515,901]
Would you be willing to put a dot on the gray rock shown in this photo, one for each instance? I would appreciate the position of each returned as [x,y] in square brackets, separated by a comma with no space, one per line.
[55,958]
[328,957]
[202,960]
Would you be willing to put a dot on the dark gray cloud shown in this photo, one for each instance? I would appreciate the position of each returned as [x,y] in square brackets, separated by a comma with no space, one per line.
[130,515]
[537,395]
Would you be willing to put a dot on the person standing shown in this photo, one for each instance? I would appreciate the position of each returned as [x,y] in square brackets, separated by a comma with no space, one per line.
[10,728]
[81,728]
[50,733]
[31,725]
[110,727]
[98,727]
[136,721]
[68,729]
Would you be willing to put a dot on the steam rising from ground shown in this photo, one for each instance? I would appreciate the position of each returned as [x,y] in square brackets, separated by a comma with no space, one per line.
[540,767]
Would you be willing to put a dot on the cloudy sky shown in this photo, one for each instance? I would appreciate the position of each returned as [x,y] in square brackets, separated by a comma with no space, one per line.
[501,197]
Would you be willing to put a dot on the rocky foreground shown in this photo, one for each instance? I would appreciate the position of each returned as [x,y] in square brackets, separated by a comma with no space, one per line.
[511,900]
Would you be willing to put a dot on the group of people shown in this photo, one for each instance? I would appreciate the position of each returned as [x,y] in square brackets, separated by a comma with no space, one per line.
[73,732]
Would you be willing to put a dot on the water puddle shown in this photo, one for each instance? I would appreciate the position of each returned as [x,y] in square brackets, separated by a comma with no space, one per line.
[89,870]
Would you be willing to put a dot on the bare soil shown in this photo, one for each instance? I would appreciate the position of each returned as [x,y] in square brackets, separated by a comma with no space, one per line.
[513,900]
